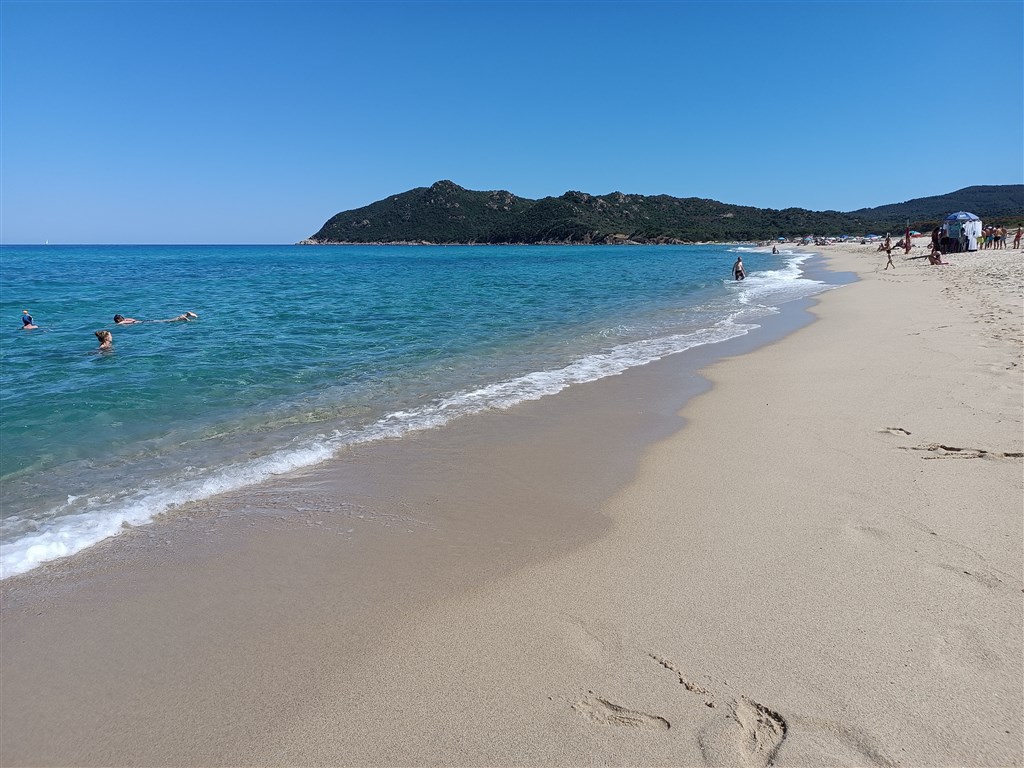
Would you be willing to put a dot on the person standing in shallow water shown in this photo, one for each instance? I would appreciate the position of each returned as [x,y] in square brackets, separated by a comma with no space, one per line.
[737,269]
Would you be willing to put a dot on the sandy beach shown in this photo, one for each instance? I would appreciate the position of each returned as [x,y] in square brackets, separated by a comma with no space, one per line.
[809,554]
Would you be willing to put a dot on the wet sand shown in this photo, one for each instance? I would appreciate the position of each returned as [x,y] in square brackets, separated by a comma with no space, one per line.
[816,561]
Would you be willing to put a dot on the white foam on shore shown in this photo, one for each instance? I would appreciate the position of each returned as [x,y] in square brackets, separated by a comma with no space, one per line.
[769,288]
[62,532]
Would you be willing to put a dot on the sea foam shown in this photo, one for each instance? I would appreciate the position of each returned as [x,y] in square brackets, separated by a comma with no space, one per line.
[63,535]
[398,340]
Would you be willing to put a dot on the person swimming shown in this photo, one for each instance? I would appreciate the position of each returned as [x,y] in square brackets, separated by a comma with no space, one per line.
[26,321]
[122,320]
[106,339]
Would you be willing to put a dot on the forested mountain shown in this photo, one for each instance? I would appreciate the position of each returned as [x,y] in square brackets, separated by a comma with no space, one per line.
[448,213]
[989,202]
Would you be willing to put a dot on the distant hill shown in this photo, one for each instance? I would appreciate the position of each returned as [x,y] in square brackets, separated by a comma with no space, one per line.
[988,202]
[447,213]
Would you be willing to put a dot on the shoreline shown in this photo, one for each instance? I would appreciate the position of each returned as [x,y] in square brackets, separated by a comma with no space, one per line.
[770,328]
[224,469]
[625,241]
[662,608]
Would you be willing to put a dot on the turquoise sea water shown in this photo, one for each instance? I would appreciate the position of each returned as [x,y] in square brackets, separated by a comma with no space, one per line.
[300,351]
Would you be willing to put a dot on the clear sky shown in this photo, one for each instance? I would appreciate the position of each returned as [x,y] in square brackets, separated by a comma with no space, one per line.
[254,122]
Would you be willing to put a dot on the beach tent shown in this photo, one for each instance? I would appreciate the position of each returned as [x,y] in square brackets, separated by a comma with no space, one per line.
[960,232]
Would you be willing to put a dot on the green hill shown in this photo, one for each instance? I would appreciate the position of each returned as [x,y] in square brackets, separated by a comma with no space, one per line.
[447,213]
[989,202]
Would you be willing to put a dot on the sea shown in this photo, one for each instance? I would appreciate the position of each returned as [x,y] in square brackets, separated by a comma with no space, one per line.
[300,352]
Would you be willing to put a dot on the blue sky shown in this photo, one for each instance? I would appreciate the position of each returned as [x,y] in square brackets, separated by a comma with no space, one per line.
[254,122]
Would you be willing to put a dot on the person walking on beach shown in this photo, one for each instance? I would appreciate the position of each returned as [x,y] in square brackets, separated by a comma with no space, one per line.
[26,321]
[106,339]
[1016,237]
[887,247]
[737,269]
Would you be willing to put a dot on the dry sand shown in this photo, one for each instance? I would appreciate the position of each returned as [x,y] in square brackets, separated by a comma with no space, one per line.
[824,567]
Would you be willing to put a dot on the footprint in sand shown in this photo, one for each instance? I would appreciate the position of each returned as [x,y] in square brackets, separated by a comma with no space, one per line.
[938,552]
[753,744]
[870,531]
[941,451]
[894,431]
[977,574]
[823,742]
[763,731]
[751,735]
[604,712]
[689,685]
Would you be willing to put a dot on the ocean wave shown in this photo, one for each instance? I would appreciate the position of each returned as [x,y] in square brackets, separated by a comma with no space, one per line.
[82,521]
[61,533]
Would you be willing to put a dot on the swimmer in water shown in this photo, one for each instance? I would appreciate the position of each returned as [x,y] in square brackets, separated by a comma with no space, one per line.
[106,339]
[122,320]
[26,321]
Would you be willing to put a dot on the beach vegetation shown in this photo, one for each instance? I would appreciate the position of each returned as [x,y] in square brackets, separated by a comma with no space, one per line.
[447,213]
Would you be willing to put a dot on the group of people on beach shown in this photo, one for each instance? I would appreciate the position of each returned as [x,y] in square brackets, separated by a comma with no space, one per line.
[995,237]
[105,337]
